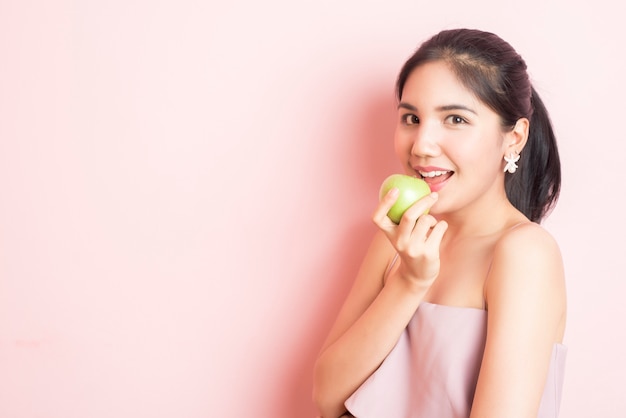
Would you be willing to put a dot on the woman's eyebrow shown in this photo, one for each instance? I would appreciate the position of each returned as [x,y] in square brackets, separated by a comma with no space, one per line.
[403,105]
[445,108]
[455,107]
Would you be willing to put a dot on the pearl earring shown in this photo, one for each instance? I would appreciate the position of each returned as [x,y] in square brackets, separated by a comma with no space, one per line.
[510,166]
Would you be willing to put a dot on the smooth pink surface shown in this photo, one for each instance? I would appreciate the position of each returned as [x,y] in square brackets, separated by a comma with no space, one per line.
[185,192]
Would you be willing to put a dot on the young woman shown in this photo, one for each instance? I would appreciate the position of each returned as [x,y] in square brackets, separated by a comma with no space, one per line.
[459,312]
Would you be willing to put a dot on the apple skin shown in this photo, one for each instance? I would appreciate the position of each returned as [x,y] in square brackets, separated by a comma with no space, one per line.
[411,190]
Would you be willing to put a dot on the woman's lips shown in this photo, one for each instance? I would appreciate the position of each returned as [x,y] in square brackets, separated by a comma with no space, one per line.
[436,179]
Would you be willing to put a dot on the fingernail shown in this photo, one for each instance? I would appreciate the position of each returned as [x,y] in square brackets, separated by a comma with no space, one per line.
[435,195]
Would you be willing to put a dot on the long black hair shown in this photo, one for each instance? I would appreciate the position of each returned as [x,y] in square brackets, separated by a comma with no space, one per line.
[497,75]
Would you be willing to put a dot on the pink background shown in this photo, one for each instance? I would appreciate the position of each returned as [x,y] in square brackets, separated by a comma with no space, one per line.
[185,192]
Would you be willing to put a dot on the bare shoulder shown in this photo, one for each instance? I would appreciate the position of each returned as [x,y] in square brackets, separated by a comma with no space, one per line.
[527,236]
[526,246]
[527,263]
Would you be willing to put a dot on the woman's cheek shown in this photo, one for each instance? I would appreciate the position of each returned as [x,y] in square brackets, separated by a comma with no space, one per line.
[402,146]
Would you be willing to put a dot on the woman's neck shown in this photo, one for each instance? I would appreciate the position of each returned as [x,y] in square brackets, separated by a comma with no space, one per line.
[484,218]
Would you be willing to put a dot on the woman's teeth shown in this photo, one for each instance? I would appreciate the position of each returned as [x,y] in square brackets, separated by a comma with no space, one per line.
[430,174]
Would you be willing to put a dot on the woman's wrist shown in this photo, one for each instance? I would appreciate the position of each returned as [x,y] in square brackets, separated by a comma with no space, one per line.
[412,285]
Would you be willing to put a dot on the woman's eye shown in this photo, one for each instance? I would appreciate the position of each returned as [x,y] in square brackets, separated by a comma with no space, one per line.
[456,120]
[410,119]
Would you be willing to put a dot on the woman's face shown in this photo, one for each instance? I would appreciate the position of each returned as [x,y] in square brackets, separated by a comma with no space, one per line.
[451,139]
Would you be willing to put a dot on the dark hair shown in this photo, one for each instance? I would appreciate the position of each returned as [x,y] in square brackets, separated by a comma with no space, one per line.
[496,74]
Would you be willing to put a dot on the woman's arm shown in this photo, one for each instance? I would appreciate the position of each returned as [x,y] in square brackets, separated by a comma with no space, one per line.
[526,302]
[374,316]
[368,326]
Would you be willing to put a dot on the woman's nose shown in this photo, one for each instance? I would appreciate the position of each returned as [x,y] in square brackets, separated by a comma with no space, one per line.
[425,141]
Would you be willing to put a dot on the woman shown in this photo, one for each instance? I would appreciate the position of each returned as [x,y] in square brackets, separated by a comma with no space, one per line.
[459,312]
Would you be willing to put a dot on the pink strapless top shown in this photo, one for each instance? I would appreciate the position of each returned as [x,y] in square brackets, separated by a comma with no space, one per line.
[433,369]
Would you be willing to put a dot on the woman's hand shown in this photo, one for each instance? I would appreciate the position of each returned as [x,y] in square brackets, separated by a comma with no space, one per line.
[416,239]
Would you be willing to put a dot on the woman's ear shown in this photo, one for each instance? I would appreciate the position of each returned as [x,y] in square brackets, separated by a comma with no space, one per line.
[515,139]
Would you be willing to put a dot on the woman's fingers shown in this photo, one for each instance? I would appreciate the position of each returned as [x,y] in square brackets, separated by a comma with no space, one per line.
[417,238]
[436,234]
[409,217]
[380,217]
[414,222]
[421,206]
[423,226]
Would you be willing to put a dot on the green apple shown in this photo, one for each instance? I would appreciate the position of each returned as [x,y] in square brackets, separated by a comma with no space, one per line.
[411,190]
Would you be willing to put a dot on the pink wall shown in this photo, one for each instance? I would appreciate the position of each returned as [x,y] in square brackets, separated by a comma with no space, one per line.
[185,191]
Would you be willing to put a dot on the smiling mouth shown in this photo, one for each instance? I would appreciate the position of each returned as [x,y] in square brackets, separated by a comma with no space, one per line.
[434,177]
